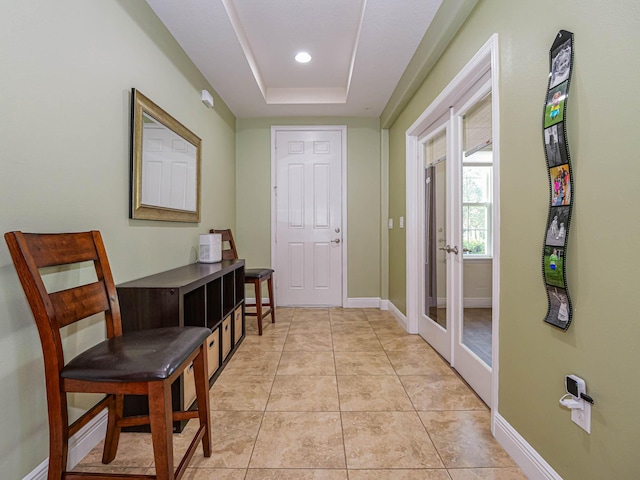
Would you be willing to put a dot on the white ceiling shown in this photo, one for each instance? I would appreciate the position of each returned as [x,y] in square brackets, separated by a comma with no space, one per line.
[245,49]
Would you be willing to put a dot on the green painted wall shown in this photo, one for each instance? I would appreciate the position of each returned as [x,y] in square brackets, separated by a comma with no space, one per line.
[67,70]
[363,196]
[601,344]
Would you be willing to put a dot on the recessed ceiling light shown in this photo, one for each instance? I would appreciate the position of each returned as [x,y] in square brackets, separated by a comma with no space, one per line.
[303,57]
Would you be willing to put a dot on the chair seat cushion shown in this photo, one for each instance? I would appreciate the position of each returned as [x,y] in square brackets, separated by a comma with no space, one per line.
[146,355]
[257,273]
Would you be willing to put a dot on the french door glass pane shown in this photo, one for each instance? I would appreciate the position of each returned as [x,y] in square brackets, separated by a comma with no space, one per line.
[477,171]
[434,272]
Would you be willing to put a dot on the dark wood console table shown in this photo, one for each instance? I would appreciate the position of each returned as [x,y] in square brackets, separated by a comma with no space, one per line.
[200,294]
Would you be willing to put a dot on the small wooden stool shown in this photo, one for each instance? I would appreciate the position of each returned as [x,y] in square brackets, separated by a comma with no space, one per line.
[254,276]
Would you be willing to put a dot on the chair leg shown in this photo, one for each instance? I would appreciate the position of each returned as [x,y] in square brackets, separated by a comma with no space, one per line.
[272,302]
[58,437]
[161,421]
[200,373]
[112,436]
[258,290]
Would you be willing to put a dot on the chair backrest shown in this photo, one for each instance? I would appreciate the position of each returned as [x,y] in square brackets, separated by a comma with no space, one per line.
[229,251]
[52,311]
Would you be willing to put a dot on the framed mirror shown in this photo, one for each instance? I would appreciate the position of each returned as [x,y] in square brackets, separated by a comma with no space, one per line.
[165,165]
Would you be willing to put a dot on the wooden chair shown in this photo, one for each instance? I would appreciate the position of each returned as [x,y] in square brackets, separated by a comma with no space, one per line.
[136,363]
[254,276]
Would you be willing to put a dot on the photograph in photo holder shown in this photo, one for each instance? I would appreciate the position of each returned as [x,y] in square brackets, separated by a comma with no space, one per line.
[560,185]
[555,146]
[553,266]
[558,307]
[560,64]
[557,228]
[554,110]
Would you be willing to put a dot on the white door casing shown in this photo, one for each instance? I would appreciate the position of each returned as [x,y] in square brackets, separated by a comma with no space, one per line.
[307,215]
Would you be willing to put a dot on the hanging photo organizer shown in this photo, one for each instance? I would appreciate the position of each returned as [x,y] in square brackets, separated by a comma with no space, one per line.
[562,193]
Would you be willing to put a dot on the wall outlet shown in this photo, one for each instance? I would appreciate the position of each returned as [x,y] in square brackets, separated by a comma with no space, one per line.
[390,223]
[401,222]
[582,418]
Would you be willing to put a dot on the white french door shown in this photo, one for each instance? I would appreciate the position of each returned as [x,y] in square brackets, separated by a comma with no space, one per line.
[453,224]
[474,205]
[434,230]
[309,230]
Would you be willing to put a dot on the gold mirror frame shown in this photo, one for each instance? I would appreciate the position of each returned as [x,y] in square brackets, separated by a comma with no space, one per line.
[141,106]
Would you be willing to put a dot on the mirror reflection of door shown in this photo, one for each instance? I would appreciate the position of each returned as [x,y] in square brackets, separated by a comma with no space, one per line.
[435,270]
[169,166]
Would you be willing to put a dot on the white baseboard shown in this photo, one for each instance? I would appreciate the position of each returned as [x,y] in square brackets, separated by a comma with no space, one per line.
[40,472]
[532,464]
[477,302]
[79,445]
[397,314]
[364,302]
[252,301]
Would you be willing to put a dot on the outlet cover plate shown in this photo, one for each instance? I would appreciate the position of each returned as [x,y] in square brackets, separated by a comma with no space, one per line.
[582,418]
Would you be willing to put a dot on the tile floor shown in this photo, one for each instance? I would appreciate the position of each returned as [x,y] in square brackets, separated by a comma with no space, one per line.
[333,394]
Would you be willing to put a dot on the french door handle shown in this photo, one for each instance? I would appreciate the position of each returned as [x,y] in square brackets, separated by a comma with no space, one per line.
[449,249]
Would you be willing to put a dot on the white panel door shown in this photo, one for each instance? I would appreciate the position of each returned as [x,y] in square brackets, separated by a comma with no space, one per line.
[309,217]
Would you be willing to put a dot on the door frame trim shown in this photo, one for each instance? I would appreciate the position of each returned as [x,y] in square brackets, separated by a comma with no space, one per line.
[343,188]
[485,59]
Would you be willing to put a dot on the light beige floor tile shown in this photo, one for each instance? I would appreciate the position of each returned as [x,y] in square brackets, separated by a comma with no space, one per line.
[320,327]
[284,312]
[393,342]
[246,362]
[487,474]
[425,362]
[307,363]
[346,315]
[280,327]
[111,469]
[214,474]
[308,342]
[348,328]
[240,392]
[295,474]
[387,327]
[311,314]
[440,392]
[305,437]
[363,363]
[134,450]
[264,343]
[463,439]
[356,342]
[387,440]
[413,474]
[372,393]
[233,437]
[299,440]
[293,393]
